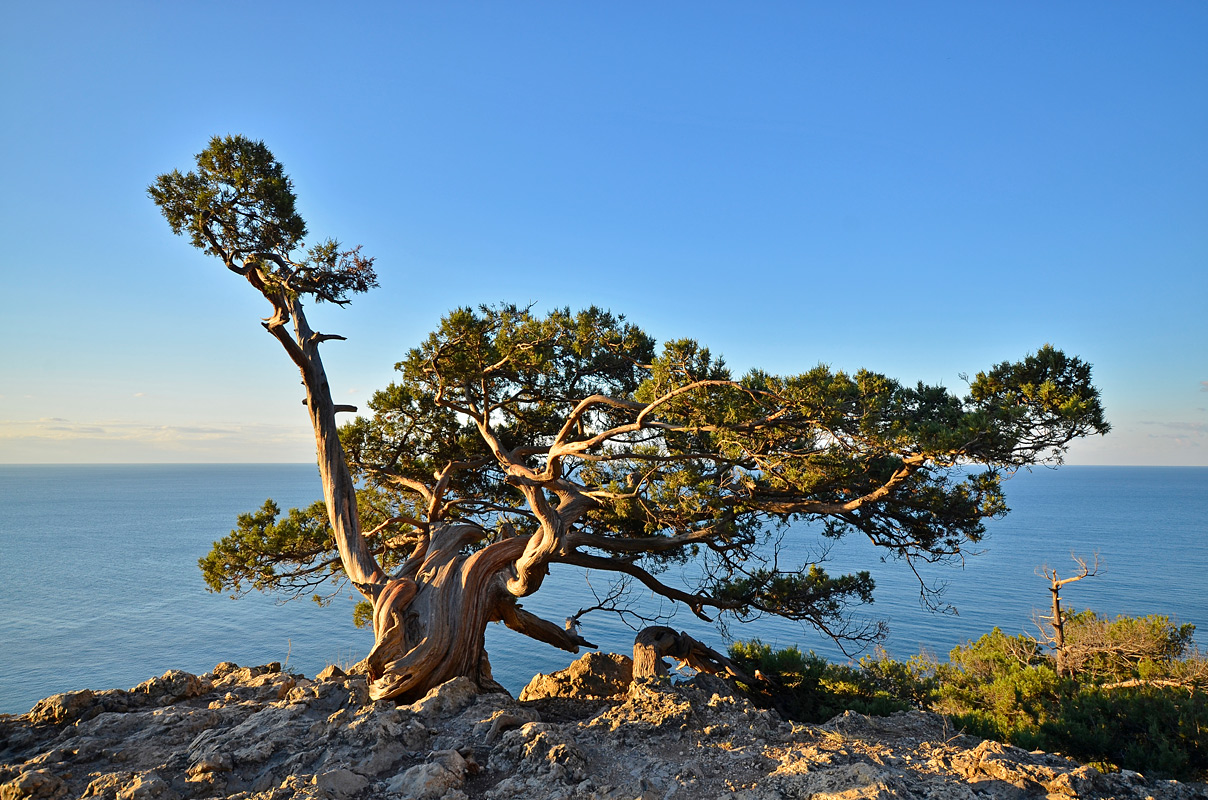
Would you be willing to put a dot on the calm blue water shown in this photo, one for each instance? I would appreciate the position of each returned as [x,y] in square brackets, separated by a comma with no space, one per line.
[99,585]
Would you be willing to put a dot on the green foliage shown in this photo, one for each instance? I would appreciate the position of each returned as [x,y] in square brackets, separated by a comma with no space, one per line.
[807,688]
[1125,648]
[999,686]
[362,614]
[238,201]
[793,679]
[239,205]
[295,554]
[1160,731]
[1006,688]
[250,557]
[1152,717]
[1017,401]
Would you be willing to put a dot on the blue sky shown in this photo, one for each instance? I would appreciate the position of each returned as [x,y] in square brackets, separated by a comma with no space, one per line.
[922,189]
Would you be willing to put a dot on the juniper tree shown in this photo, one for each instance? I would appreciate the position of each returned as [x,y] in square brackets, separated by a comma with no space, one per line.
[513,441]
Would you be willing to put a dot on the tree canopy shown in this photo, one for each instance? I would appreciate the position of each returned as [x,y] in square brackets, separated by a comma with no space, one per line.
[625,456]
[240,206]
[514,440]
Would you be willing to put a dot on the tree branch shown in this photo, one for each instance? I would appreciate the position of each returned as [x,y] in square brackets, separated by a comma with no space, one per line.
[521,621]
[318,338]
[695,602]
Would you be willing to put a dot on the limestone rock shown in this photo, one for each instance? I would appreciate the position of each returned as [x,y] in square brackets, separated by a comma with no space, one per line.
[59,709]
[595,675]
[446,699]
[146,787]
[257,733]
[173,686]
[36,783]
[339,784]
[330,672]
[446,771]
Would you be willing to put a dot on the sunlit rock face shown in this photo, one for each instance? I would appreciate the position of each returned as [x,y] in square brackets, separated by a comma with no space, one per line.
[583,733]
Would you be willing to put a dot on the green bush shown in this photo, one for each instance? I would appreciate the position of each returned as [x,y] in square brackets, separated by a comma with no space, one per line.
[1137,699]
[1000,687]
[1160,731]
[806,688]
[1100,649]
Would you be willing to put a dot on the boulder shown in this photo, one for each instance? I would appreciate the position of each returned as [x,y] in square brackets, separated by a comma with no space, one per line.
[594,676]
[445,700]
[444,772]
[329,673]
[171,687]
[37,783]
[339,784]
[59,709]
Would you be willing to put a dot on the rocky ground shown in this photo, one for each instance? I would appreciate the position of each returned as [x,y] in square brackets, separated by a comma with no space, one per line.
[588,732]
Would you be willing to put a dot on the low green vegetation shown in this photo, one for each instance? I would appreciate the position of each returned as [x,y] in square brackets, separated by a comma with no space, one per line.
[1136,696]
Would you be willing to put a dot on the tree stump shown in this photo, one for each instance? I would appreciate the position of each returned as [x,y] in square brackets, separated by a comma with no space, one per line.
[657,642]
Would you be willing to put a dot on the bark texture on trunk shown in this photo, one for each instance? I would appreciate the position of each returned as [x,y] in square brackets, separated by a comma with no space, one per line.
[431,629]
[1058,621]
[339,492]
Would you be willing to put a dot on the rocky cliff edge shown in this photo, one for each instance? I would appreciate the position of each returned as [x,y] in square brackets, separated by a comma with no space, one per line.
[587,732]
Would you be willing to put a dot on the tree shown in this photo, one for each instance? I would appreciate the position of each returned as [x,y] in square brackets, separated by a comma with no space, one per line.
[1052,627]
[514,441]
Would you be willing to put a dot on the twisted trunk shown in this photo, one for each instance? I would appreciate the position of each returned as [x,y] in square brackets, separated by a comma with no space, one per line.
[431,628]
[430,622]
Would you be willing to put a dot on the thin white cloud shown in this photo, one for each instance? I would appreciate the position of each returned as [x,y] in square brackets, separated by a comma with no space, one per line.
[58,439]
[1204,386]
[1182,433]
[1183,427]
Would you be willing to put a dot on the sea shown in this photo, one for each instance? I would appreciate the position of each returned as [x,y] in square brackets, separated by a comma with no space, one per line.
[100,588]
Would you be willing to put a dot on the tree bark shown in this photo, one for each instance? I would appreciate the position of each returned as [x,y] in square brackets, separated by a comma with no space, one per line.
[432,629]
[1057,618]
[1058,622]
[339,492]
[653,644]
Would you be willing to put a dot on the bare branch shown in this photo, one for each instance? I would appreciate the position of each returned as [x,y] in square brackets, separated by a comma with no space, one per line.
[695,602]
[318,338]
[521,621]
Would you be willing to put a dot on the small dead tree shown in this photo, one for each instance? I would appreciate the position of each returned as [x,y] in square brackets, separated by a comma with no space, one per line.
[1052,630]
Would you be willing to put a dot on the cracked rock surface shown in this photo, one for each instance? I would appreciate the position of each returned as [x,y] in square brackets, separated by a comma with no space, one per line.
[263,734]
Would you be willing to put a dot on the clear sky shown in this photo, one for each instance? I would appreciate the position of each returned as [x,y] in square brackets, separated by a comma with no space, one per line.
[924,189]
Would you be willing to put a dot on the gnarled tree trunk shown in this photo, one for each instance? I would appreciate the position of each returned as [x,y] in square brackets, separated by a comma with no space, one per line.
[430,620]
[431,627]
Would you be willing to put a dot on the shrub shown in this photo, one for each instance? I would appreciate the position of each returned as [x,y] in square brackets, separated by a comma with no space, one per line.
[806,688]
[1125,648]
[1137,699]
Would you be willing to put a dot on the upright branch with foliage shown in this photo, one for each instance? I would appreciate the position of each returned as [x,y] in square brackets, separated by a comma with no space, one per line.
[515,441]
